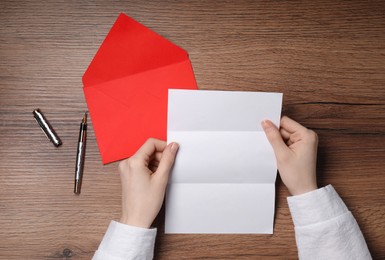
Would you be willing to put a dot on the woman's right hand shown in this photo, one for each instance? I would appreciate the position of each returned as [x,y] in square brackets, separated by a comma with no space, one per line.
[295,149]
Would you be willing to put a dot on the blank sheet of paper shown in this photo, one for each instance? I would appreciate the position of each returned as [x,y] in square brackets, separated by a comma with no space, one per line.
[223,180]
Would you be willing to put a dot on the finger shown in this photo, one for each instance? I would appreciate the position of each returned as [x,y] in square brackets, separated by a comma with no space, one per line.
[155,161]
[290,125]
[150,147]
[296,137]
[289,142]
[285,134]
[157,157]
[275,138]
[167,161]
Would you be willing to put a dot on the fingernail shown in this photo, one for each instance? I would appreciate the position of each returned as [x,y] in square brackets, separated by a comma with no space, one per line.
[174,147]
[265,124]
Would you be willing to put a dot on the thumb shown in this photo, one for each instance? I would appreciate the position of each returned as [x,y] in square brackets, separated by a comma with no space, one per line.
[167,161]
[275,139]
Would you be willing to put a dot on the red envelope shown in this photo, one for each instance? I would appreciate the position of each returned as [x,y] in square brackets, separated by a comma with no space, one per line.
[126,87]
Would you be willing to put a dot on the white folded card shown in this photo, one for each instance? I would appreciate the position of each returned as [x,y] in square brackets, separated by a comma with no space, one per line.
[223,179]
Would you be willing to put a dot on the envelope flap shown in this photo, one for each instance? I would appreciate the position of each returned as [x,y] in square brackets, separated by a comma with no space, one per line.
[130,48]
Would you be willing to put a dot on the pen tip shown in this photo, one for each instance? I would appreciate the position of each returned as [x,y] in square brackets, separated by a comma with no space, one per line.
[85,118]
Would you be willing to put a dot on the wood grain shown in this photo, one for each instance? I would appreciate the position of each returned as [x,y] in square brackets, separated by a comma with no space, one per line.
[327,57]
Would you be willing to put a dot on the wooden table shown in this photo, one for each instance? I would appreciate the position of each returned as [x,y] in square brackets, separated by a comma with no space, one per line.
[327,57]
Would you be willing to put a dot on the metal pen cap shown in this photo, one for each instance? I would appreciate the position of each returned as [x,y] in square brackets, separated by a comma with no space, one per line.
[46,127]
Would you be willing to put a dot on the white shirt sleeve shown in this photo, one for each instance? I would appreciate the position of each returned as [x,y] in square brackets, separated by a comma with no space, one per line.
[325,228]
[124,242]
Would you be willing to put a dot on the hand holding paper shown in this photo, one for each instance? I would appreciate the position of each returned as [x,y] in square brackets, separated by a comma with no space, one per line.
[144,178]
[295,148]
[223,179]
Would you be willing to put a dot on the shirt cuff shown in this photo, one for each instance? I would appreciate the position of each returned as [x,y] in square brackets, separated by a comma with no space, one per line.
[316,206]
[127,242]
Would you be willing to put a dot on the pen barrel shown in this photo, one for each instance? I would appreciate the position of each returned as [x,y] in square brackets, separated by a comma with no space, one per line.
[82,133]
[80,160]
[79,166]
[80,154]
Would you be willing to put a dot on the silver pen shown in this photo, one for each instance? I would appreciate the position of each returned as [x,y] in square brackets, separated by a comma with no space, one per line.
[80,154]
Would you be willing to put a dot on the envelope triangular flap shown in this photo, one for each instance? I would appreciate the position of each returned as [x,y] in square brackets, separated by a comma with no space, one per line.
[130,48]
[148,88]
